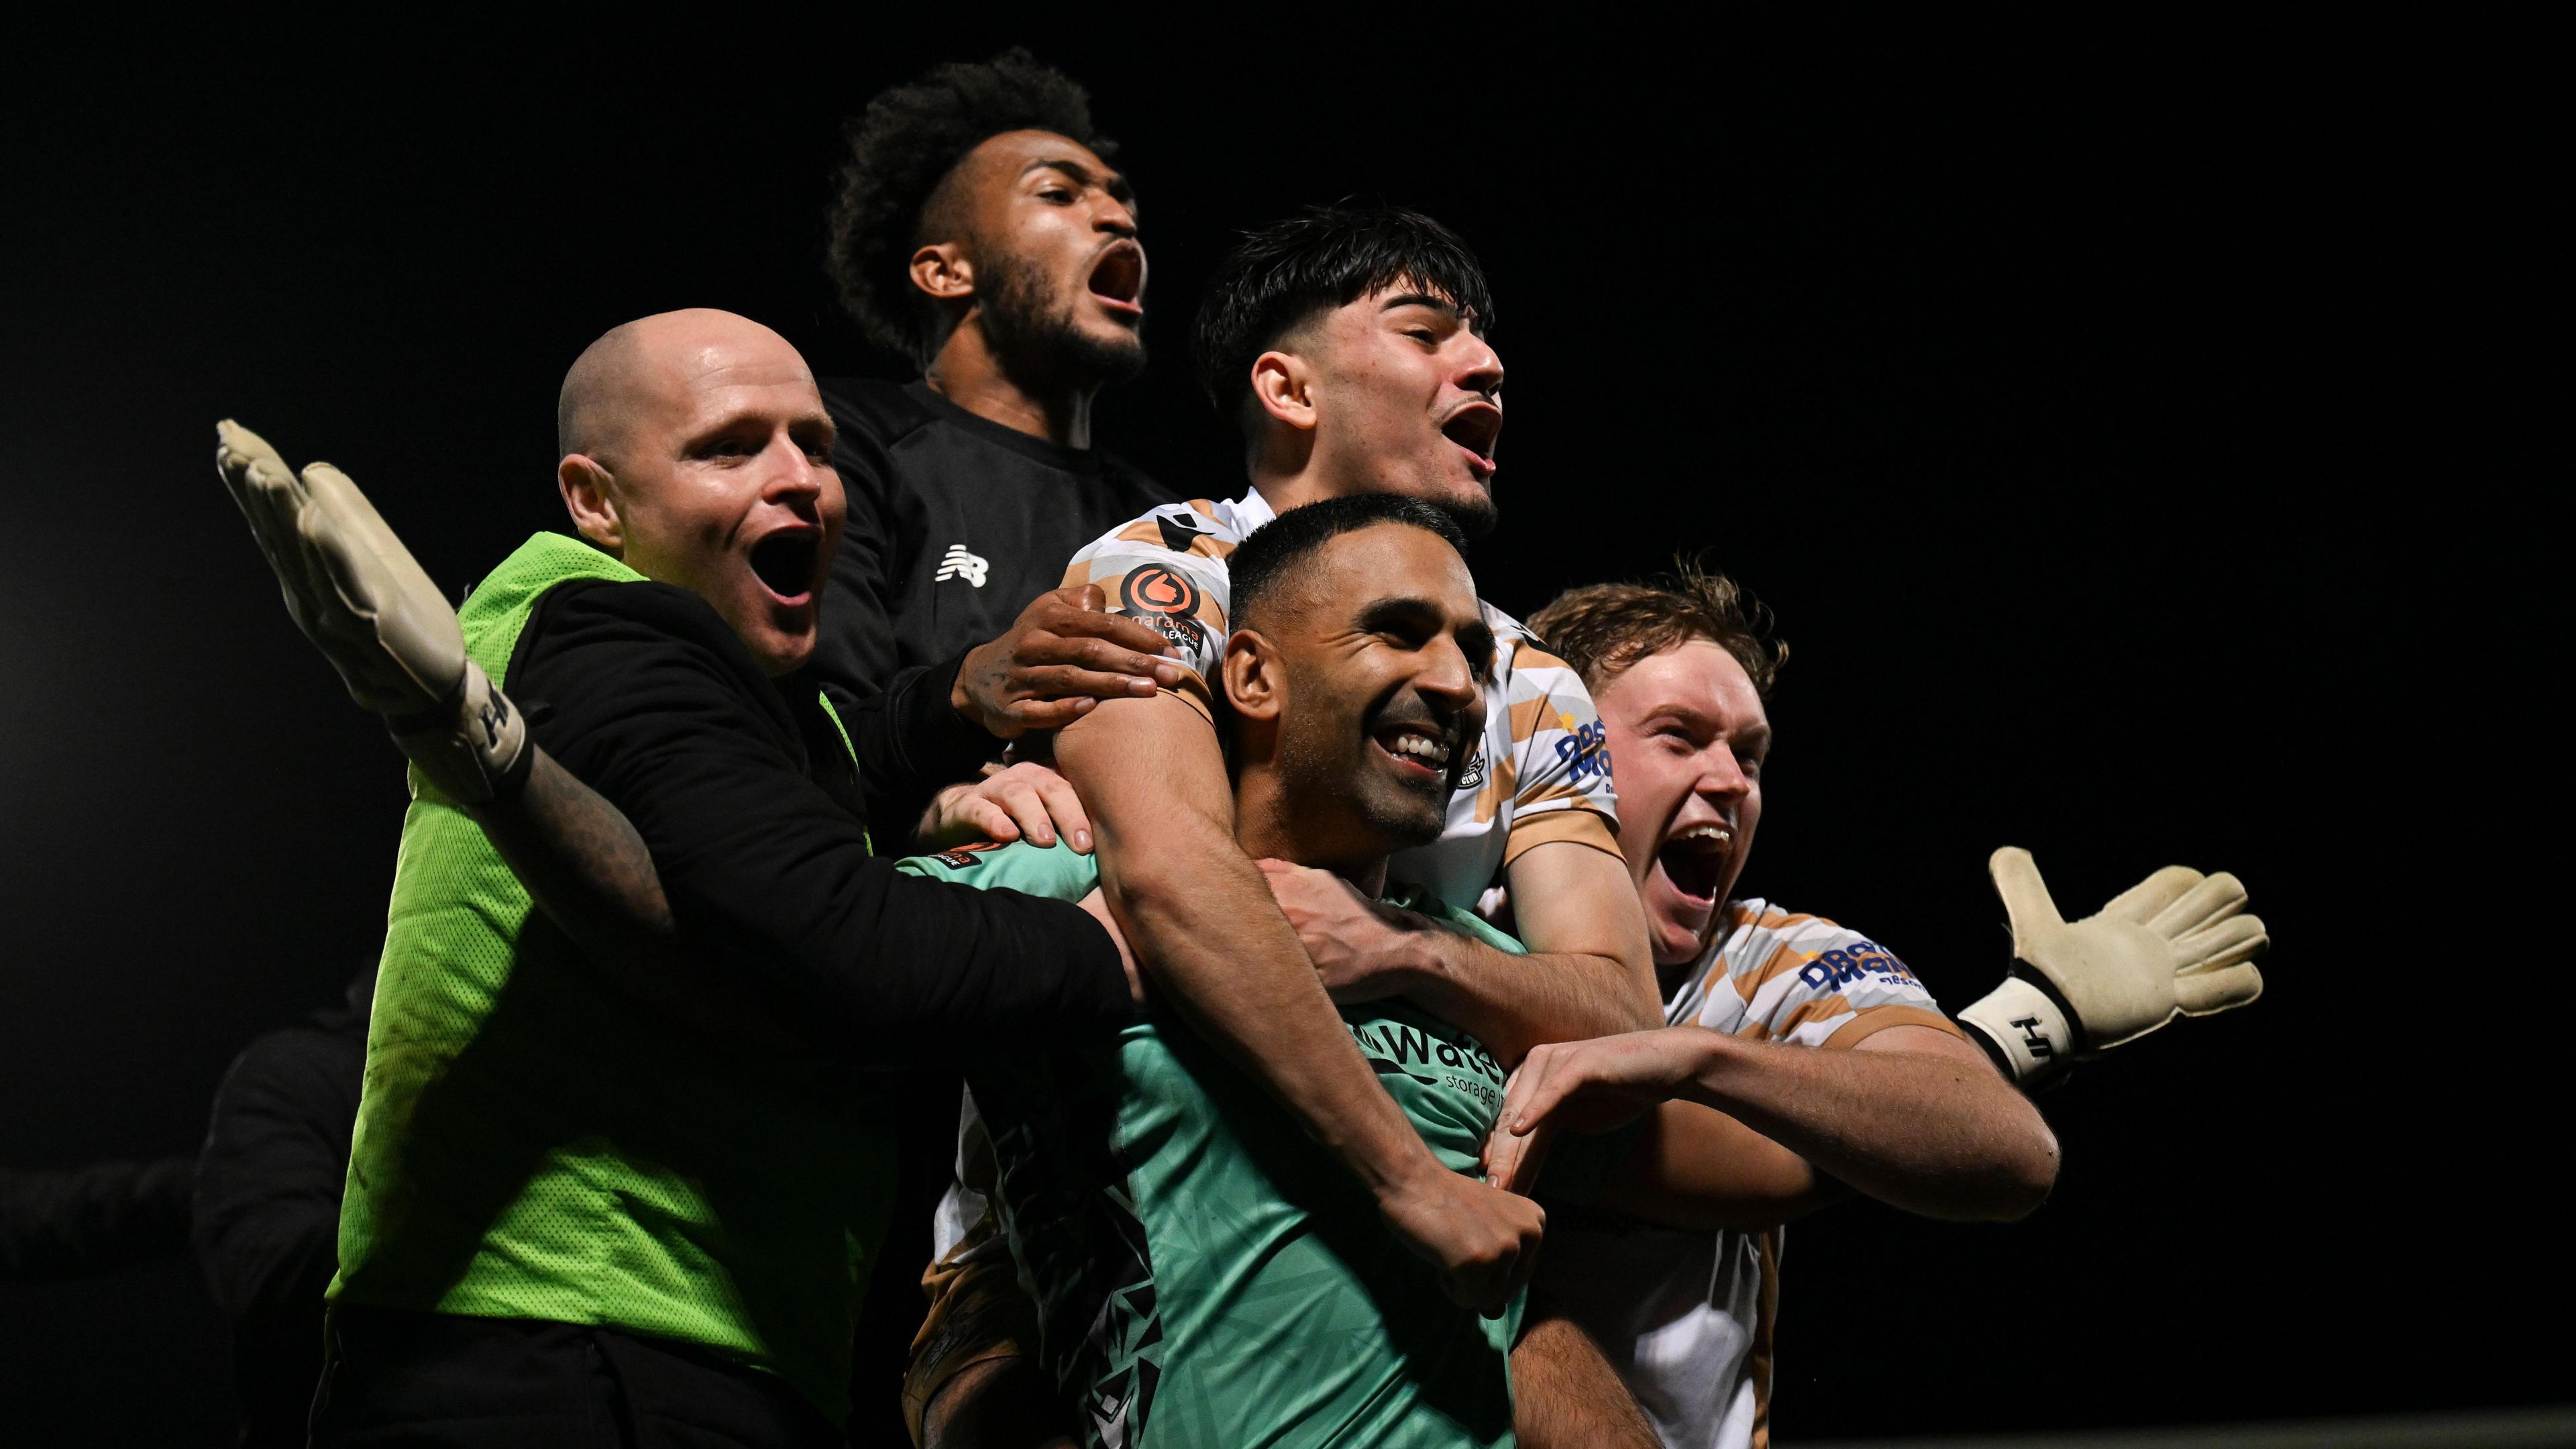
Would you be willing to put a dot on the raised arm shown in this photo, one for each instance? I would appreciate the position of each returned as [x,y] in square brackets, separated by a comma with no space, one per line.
[1220,954]
[703,826]
[1588,972]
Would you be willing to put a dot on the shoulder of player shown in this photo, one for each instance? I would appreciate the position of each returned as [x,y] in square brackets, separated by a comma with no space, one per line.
[590,636]
[871,409]
[1756,941]
[1193,527]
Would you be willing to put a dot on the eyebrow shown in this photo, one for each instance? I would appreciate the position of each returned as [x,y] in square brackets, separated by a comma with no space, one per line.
[1474,637]
[1113,183]
[1421,299]
[1758,735]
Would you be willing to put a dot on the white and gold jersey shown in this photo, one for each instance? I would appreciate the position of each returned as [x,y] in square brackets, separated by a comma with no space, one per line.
[1686,1318]
[1540,773]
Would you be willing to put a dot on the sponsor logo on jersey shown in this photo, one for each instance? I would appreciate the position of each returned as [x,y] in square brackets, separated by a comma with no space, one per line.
[1585,749]
[964,855]
[1395,1049]
[1154,589]
[957,563]
[1846,964]
[1474,779]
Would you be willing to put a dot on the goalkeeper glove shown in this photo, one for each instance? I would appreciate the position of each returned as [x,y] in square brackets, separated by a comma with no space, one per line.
[2176,943]
[354,590]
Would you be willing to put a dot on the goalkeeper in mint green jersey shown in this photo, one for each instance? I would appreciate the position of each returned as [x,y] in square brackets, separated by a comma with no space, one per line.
[1203,1272]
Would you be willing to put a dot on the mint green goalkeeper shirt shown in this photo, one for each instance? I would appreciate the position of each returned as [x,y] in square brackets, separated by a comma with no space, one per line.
[1206,1275]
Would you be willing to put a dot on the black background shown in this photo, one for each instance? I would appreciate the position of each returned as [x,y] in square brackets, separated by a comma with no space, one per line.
[2116,419]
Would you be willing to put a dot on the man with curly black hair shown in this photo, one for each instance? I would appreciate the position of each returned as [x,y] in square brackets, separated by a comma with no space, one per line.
[981,231]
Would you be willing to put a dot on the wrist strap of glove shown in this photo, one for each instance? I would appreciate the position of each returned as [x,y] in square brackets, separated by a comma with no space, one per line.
[473,747]
[2027,1031]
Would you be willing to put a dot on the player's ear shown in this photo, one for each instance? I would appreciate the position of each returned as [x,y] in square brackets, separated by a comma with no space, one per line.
[1284,385]
[944,271]
[591,499]
[1254,687]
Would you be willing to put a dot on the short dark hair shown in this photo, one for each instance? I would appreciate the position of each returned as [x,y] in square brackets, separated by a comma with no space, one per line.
[901,148]
[1324,257]
[1277,552]
[1603,629]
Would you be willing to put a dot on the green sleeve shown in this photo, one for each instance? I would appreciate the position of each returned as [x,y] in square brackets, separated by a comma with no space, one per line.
[1053,871]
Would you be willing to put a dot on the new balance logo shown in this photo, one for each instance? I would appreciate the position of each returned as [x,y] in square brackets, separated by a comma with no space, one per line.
[958,563]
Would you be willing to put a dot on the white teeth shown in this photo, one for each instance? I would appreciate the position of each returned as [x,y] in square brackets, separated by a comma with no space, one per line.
[1718,833]
[1429,751]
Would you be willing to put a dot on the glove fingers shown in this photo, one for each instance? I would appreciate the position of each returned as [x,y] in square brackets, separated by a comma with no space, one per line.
[2207,903]
[2140,903]
[2206,992]
[2026,900]
[2237,938]
[407,624]
[266,491]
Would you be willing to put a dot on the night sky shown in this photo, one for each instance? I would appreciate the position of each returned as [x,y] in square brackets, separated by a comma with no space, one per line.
[2115,421]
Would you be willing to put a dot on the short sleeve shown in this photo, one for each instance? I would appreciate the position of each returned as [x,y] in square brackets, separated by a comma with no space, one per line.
[1804,979]
[1560,754]
[1167,571]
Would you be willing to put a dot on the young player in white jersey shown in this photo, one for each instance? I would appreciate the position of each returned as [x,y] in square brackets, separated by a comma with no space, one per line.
[1680,1286]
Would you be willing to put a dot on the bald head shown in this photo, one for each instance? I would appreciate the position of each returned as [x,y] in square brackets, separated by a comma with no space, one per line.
[645,368]
[697,450]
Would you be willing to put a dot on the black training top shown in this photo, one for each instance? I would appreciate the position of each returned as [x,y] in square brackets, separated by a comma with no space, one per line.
[956,523]
[742,790]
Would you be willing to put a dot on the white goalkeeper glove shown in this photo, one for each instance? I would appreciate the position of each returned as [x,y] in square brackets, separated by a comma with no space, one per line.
[354,590]
[2176,943]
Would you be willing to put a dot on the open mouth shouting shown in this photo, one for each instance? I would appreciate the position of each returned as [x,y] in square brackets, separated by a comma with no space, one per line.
[788,563]
[1118,279]
[1474,428]
[1694,861]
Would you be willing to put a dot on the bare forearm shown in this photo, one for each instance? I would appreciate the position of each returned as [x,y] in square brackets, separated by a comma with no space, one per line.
[1220,954]
[1513,1003]
[581,859]
[1931,1133]
[1205,931]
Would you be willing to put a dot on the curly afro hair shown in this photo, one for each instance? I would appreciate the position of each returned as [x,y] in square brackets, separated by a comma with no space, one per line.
[901,148]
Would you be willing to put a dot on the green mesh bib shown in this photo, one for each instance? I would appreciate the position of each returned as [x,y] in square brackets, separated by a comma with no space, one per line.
[533,1144]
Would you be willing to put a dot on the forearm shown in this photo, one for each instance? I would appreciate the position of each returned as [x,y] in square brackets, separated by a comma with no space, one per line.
[582,861]
[1219,953]
[1696,1168]
[591,873]
[1513,1003]
[1204,929]
[1932,1133]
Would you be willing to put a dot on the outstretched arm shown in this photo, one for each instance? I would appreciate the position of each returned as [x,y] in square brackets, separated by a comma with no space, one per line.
[1588,973]
[1204,930]
[1911,1116]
